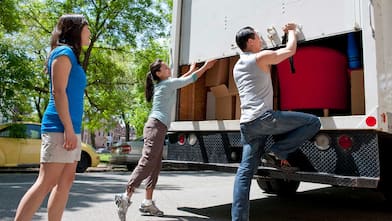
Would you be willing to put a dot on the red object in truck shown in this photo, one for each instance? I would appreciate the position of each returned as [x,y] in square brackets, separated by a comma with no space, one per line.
[320,80]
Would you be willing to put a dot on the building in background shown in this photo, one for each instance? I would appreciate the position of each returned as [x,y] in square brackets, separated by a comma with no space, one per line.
[104,138]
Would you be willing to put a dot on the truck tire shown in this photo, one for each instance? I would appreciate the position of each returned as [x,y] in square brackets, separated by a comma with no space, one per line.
[84,163]
[278,186]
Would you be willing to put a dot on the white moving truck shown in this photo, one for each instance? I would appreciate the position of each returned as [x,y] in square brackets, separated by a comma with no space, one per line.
[342,72]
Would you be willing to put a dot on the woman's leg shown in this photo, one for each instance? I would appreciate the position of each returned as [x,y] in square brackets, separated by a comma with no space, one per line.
[59,195]
[154,136]
[149,193]
[32,200]
[152,180]
[152,152]
[148,206]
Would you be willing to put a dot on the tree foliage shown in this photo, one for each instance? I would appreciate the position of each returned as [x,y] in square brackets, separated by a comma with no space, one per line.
[9,18]
[16,82]
[125,37]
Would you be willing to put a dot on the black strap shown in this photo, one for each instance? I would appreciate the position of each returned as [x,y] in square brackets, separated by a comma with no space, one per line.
[291,59]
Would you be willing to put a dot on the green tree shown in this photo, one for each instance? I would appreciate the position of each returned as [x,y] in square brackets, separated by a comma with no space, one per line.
[119,29]
[9,17]
[16,76]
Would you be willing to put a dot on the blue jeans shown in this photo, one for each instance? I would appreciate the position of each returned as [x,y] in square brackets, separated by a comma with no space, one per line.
[295,128]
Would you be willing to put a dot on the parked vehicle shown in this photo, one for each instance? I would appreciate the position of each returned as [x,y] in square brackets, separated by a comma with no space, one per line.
[20,146]
[104,154]
[349,88]
[129,153]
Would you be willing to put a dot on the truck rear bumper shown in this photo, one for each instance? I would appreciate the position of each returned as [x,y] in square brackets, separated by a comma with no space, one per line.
[272,173]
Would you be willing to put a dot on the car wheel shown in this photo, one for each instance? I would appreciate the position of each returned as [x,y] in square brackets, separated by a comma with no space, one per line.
[131,167]
[84,163]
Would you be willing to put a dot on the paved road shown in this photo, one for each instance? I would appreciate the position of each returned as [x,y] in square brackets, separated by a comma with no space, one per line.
[198,196]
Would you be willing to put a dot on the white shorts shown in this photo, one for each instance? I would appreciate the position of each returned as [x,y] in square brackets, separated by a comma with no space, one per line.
[52,150]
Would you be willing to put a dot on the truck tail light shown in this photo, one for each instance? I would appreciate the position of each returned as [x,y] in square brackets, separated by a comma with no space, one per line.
[371,121]
[181,139]
[345,142]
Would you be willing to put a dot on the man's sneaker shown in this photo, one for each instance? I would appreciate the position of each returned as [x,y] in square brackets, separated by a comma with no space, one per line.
[122,203]
[271,160]
[150,209]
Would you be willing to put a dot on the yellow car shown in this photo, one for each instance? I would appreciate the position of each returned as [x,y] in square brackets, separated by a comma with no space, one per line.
[20,146]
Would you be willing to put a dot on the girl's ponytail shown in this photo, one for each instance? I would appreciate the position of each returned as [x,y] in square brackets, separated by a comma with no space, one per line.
[151,77]
[149,90]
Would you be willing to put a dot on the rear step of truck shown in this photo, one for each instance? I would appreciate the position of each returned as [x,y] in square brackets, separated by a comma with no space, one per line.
[190,165]
[273,173]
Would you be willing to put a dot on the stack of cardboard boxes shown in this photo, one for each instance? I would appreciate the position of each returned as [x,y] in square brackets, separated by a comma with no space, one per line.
[357,92]
[214,96]
[193,97]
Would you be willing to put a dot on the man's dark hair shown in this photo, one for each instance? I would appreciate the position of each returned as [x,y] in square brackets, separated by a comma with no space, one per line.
[243,35]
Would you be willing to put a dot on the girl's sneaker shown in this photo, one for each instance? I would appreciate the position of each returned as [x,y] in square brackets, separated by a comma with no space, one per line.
[122,202]
[150,209]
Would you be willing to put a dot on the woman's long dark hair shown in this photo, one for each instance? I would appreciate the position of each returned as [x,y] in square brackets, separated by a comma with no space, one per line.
[151,77]
[68,32]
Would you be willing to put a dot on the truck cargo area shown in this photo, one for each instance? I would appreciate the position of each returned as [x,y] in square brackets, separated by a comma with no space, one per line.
[318,81]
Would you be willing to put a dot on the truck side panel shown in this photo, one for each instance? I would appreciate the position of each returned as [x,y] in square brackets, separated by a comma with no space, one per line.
[212,25]
[380,27]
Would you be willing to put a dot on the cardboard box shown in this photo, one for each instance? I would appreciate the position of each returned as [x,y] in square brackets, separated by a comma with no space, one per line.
[357,92]
[224,103]
[210,109]
[192,99]
[232,86]
[218,74]
[237,107]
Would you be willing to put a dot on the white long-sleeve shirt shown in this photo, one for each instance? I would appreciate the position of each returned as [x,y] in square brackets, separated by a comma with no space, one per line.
[164,97]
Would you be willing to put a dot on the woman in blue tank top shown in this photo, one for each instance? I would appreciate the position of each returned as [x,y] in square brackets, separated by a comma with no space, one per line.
[61,123]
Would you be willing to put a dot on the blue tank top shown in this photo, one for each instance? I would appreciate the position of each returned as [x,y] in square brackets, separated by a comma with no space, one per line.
[75,91]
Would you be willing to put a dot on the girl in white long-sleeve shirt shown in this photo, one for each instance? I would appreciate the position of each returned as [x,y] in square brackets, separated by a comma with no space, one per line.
[161,90]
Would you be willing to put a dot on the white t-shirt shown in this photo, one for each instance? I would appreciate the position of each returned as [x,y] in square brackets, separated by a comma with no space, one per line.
[254,88]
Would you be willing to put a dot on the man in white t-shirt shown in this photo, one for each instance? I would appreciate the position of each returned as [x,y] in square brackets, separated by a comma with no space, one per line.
[258,119]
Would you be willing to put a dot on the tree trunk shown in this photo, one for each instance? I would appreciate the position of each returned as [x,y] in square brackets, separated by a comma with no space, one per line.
[92,136]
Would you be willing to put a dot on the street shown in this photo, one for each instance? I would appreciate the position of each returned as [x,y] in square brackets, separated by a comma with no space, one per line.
[197,196]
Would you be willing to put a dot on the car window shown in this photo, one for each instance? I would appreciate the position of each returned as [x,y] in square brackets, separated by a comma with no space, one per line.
[33,131]
[30,131]
[5,132]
